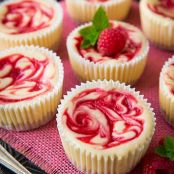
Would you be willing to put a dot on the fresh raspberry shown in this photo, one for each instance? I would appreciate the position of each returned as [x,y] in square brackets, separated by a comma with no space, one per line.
[111,41]
[154,164]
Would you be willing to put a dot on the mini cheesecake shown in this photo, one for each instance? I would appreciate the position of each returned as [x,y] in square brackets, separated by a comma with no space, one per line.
[85,9]
[166,90]
[125,66]
[157,18]
[31,81]
[105,127]
[30,22]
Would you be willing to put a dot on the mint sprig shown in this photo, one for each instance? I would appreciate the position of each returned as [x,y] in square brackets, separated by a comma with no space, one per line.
[90,34]
[167,148]
[100,20]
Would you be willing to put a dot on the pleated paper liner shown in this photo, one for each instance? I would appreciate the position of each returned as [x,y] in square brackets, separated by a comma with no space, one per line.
[165,96]
[38,111]
[48,37]
[128,72]
[159,29]
[115,160]
[83,11]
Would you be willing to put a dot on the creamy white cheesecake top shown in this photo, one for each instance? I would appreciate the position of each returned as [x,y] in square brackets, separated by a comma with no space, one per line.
[167,77]
[106,118]
[136,45]
[19,17]
[26,74]
[164,8]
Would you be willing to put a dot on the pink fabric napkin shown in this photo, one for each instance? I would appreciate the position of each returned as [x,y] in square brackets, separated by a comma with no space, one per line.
[43,145]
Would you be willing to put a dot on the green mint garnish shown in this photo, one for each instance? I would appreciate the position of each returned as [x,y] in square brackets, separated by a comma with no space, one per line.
[90,34]
[100,20]
[167,148]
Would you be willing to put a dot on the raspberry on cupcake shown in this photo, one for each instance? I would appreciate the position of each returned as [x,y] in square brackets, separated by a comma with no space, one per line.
[84,10]
[157,18]
[108,50]
[111,41]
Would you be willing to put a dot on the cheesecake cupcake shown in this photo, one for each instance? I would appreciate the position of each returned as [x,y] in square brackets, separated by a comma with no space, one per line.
[107,50]
[105,127]
[157,18]
[166,90]
[31,80]
[30,22]
[84,10]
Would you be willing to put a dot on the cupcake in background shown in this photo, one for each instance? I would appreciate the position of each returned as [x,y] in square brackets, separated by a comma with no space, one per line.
[157,18]
[105,127]
[84,10]
[30,22]
[108,50]
[166,90]
[31,80]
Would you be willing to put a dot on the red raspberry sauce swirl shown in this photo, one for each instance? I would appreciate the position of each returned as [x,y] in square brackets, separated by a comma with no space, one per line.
[169,78]
[164,8]
[18,78]
[96,119]
[27,16]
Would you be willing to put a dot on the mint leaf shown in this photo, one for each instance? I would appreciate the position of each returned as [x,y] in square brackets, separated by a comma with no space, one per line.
[87,36]
[170,155]
[169,143]
[100,20]
[167,148]
[85,44]
[90,34]
[86,31]
[161,151]
[94,37]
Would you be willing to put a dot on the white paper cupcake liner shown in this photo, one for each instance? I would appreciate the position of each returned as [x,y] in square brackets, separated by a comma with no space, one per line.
[38,111]
[165,96]
[48,37]
[159,29]
[108,161]
[83,11]
[128,72]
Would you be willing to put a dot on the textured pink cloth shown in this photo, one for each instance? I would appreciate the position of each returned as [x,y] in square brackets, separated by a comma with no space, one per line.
[43,146]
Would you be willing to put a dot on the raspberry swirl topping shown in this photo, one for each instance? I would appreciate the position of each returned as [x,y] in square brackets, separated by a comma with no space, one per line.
[23,78]
[104,118]
[26,16]
[169,77]
[131,50]
[164,8]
